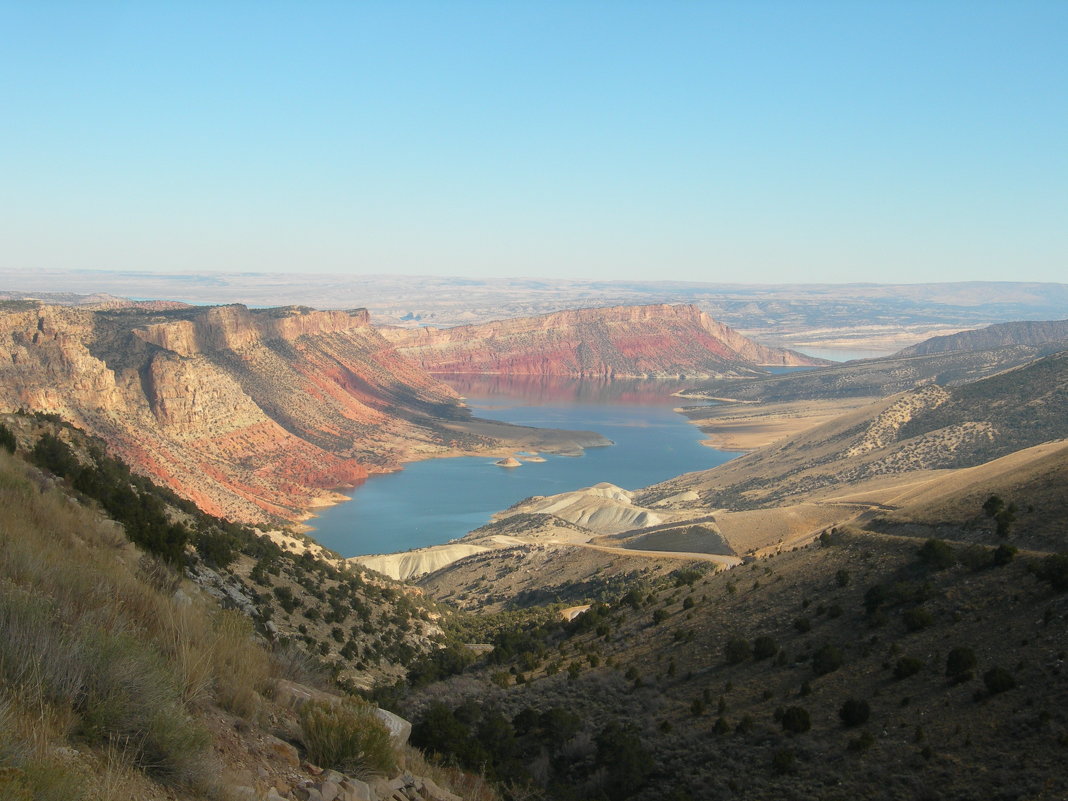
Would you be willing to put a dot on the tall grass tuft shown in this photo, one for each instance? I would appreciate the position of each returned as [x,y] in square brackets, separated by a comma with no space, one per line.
[347,736]
[241,670]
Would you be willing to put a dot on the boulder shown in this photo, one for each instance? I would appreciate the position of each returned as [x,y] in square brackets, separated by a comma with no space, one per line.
[399,728]
[355,790]
[431,792]
[280,751]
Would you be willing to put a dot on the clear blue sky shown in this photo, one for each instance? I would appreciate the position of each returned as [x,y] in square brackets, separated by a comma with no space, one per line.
[713,141]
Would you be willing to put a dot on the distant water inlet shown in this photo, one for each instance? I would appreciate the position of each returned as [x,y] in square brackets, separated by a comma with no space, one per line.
[434,501]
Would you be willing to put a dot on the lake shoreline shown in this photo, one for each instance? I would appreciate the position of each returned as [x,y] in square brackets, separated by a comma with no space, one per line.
[438,497]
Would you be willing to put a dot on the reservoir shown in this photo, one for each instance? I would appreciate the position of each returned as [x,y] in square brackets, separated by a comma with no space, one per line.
[434,501]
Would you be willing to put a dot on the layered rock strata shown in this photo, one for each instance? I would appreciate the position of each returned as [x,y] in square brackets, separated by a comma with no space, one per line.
[251,414]
[618,342]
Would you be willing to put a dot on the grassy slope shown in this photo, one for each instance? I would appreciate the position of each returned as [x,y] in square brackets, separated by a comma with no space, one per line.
[359,626]
[119,678]
[97,654]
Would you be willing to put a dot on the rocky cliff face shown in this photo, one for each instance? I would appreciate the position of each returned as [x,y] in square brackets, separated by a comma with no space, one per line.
[249,413]
[618,342]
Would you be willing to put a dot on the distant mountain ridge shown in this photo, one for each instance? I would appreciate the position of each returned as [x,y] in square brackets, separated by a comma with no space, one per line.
[1026,332]
[945,360]
[926,428]
[615,342]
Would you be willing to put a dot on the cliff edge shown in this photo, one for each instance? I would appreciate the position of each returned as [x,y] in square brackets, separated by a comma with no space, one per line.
[659,341]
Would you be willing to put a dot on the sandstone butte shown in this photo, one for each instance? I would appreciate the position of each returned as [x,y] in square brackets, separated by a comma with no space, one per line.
[253,415]
[656,341]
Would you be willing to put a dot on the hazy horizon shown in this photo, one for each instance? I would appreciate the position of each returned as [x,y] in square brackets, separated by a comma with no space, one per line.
[825,142]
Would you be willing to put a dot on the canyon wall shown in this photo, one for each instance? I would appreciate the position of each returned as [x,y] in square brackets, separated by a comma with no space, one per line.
[617,342]
[254,415]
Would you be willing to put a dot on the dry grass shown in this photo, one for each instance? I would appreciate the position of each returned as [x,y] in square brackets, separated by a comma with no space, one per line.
[467,785]
[98,651]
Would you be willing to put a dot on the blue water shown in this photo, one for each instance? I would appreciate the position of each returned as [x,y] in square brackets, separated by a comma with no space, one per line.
[432,502]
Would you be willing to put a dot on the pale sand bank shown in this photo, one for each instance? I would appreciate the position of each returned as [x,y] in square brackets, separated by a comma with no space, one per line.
[746,427]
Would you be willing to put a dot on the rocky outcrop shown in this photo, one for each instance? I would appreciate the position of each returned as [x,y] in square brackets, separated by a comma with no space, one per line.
[603,508]
[617,342]
[251,414]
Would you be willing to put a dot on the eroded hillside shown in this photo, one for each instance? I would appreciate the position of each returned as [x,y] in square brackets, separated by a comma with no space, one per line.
[929,428]
[876,378]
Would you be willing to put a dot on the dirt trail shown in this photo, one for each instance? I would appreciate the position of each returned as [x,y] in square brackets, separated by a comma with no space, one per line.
[729,561]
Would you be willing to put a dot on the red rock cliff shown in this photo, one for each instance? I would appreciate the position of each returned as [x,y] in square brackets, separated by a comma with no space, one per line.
[621,341]
[245,412]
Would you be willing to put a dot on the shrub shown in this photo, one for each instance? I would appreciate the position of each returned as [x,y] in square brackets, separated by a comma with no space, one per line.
[826,660]
[687,577]
[975,557]
[998,680]
[7,439]
[347,735]
[796,720]
[1054,569]
[959,664]
[874,597]
[854,712]
[861,743]
[803,625]
[216,547]
[842,578]
[1004,519]
[993,505]
[764,648]
[907,666]
[625,759]
[54,455]
[286,598]
[784,762]
[737,650]
[917,618]
[936,554]
[1004,554]
[1004,515]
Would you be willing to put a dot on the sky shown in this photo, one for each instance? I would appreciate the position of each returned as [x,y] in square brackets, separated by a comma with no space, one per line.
[755,141]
